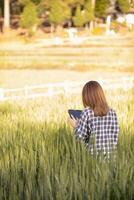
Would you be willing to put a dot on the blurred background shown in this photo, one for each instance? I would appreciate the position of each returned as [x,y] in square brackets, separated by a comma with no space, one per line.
[46,41]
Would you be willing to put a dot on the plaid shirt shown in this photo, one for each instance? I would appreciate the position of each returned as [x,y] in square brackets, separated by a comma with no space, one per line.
[99,133]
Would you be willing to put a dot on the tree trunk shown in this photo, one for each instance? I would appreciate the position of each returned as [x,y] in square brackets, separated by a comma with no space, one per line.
[6,14]
[93,3]
[91,27]
[59,29]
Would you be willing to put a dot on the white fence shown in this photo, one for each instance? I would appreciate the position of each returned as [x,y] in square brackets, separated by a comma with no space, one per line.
[67,87]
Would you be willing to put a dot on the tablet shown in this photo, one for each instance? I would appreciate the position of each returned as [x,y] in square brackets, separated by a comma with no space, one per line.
[75,113]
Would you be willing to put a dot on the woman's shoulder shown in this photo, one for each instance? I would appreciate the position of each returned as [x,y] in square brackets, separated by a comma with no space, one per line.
[88,111]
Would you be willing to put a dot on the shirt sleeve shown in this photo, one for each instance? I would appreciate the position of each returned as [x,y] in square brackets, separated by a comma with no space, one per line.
[82,130]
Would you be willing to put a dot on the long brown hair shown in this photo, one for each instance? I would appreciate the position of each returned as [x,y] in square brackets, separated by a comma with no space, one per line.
[94,97]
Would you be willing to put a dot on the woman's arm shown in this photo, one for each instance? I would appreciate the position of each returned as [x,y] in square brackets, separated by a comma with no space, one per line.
[81,126]
[82,129]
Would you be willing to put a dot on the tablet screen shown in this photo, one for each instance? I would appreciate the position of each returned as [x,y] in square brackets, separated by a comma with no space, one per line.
[75,113]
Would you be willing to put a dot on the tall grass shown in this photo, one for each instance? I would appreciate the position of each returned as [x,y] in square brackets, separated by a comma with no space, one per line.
[40,158]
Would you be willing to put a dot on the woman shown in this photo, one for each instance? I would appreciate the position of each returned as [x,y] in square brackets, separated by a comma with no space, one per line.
[98,123]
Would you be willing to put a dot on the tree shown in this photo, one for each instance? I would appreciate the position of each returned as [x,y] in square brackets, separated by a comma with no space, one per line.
[6,14]
[79,18]
[59,12]
[124,5]
[101,7]
[89,11]
[26,2]
[84,16]
[29,17]
[74,3]
[36,1]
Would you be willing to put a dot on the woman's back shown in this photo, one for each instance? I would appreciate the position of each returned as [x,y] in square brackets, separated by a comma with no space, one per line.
[98,123]
[102,132]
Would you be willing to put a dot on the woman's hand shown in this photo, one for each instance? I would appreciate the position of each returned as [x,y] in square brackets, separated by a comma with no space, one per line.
[73,122]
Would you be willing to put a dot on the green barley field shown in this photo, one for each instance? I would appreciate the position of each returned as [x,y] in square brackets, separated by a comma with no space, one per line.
[40,158]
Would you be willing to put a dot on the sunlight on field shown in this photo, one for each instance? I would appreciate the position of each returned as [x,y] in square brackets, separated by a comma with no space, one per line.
[21,78]
[97,52]
[40,157]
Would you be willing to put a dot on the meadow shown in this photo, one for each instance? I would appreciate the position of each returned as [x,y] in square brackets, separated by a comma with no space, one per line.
[40,159]
[96,52]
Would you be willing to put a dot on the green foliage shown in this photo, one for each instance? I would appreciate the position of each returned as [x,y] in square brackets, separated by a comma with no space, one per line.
[46,3]
[59,12]
[73,3]
[89,12]
[25,2]
[29,16]
[79,18]
[101,7]
[83,16]
[124,5]
[43,6]
[36,1]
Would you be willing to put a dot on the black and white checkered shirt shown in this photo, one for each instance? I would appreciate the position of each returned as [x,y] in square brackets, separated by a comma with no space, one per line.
[99,133]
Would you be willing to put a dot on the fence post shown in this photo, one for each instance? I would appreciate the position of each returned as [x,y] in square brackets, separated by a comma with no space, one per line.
[50,91]
[1,94]
[66,87]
